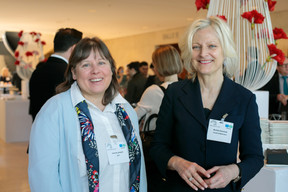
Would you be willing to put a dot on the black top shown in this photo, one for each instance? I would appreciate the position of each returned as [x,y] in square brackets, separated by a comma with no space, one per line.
[135,88]
[207,112]
[274,89]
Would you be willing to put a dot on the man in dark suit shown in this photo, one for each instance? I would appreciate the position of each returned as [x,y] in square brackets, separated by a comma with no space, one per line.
[277,93]
[136,84]
[48,75]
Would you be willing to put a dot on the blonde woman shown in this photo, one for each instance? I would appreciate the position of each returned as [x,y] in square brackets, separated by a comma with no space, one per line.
[201,121]
[167,64]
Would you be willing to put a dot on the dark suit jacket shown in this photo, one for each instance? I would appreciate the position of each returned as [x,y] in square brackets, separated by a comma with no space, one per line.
[182,129]
[43,82]
[135,88]
[273,86]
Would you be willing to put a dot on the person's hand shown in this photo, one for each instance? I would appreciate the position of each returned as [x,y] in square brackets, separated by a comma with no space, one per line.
[223,176]
[190,172]
[282,98]
[286,97]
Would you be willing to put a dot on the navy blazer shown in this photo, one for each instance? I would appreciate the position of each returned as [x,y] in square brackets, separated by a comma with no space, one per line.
[181,130]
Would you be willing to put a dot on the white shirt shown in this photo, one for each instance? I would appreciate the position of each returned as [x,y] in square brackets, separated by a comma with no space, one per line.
[59,57]
[151,100]
[112,178]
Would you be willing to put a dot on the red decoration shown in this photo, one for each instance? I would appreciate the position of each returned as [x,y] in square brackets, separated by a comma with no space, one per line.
[254,17]
[279,33]
[21,43]
[204,4]
[16,54]
[275,54]
[33,33]
[20,34]
[28,53]
[44,60]
[271,4]
[29,48]
[222,17]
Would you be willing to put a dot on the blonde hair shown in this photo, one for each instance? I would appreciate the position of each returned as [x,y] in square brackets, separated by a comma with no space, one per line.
[5,72]
[167,61]
[226,40]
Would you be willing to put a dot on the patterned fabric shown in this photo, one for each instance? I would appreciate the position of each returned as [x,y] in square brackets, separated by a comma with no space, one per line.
[133,147]
[90,146]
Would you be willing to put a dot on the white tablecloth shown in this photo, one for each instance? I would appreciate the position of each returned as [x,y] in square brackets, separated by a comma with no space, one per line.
[15,122]
[269,179]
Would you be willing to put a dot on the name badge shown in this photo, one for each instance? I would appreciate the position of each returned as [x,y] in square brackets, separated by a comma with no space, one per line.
[220,131]
[117,153]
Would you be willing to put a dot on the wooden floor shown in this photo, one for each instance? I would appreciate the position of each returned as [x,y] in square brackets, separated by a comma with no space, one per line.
[13,167]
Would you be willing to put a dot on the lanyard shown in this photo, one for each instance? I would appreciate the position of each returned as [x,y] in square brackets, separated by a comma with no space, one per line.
[112,135]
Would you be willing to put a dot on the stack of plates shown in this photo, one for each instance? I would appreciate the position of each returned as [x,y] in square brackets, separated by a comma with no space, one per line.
[265,134]
[278,132]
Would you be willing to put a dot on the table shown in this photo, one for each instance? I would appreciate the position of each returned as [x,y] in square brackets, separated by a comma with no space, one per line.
[269,179]
[4,88]
[15,122]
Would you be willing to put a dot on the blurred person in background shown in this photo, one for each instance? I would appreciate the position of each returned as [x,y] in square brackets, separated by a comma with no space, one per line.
[5,75]
[278,89]
[5,79]
[152,79]
[167,63]
[136,83]
[122,80]
[49,74]
[143,68]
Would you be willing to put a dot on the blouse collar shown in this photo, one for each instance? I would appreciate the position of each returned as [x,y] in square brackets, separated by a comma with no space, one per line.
[77,97]
[171,78]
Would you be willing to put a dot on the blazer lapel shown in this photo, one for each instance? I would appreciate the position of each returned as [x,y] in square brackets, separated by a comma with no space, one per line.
[226,100]
[192,101]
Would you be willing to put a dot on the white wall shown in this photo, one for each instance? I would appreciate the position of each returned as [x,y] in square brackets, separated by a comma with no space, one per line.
[280,20]
[48,38]
[140,47]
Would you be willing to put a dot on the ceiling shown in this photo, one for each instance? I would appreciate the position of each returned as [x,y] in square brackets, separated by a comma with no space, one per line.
[107,19]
